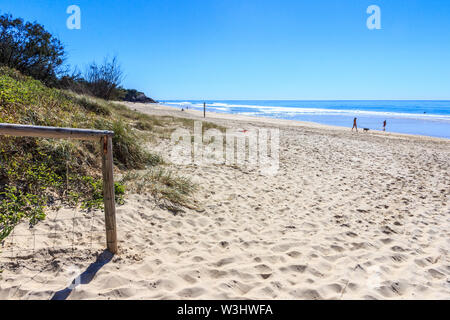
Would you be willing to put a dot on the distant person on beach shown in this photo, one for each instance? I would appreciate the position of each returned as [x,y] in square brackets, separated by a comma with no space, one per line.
[354,125]
[384,125]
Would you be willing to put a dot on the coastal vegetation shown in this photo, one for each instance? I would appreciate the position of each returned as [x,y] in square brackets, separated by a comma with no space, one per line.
[32,50]
[39,173]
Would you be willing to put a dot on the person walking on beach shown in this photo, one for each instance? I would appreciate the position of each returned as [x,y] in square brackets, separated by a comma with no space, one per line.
[354,125]
[384,125]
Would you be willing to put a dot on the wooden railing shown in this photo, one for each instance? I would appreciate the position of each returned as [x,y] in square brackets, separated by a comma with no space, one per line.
[105,139]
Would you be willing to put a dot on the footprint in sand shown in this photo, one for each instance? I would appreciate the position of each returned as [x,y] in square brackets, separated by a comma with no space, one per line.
[191,292]
[224,262]
[436,274]
[308,294]
[337,248]
[397,249]
[281,248]
[298,268]
[198,259]
[216,274]
[265,275]
[188,278]
[387,240]
[263,268]
[294,254]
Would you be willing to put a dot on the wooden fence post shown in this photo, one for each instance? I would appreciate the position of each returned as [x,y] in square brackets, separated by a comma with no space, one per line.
[108,194]
[18,130]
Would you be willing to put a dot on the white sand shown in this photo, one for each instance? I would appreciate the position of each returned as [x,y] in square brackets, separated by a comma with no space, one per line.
[348,216]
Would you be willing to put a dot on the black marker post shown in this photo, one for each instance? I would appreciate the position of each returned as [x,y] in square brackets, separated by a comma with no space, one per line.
[204,109]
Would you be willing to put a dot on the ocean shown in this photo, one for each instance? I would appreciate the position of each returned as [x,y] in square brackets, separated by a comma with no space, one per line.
[428,118]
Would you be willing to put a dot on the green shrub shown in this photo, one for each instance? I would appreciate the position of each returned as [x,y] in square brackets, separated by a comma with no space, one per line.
[35,173]
[127,148]
[16,205]
[29,48]
[92,105]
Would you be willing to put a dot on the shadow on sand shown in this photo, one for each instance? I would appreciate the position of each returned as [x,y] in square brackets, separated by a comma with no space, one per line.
[86,277]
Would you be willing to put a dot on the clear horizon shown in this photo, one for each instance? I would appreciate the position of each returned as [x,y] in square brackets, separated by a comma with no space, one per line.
[260,50]
[423,117]
[443,100]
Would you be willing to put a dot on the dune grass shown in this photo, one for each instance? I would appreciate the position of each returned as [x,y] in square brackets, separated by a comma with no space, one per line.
[171,191]
[37,173]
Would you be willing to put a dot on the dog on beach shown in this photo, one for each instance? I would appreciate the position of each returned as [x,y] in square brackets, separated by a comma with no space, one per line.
[366,129]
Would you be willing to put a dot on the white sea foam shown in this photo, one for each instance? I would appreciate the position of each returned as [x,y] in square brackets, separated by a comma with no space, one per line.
[296,111]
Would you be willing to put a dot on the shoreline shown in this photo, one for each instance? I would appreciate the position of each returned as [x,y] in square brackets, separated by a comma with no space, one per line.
[425,118]
[285,122]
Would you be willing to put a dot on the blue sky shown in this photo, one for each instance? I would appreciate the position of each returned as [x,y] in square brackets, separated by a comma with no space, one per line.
[260,49]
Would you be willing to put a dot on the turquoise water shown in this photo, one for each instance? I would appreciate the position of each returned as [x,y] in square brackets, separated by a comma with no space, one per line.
[429,118]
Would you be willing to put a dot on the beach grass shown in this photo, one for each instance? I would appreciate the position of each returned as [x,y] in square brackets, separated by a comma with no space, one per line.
[170,190]
[37,173]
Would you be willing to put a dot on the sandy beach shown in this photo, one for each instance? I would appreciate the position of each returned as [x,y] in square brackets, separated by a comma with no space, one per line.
[347,216]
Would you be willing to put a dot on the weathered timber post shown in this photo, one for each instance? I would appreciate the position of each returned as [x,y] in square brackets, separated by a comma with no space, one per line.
[108,194]
[18,130]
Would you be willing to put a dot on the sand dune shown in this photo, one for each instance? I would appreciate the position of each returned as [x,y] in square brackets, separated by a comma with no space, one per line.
[348,216]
